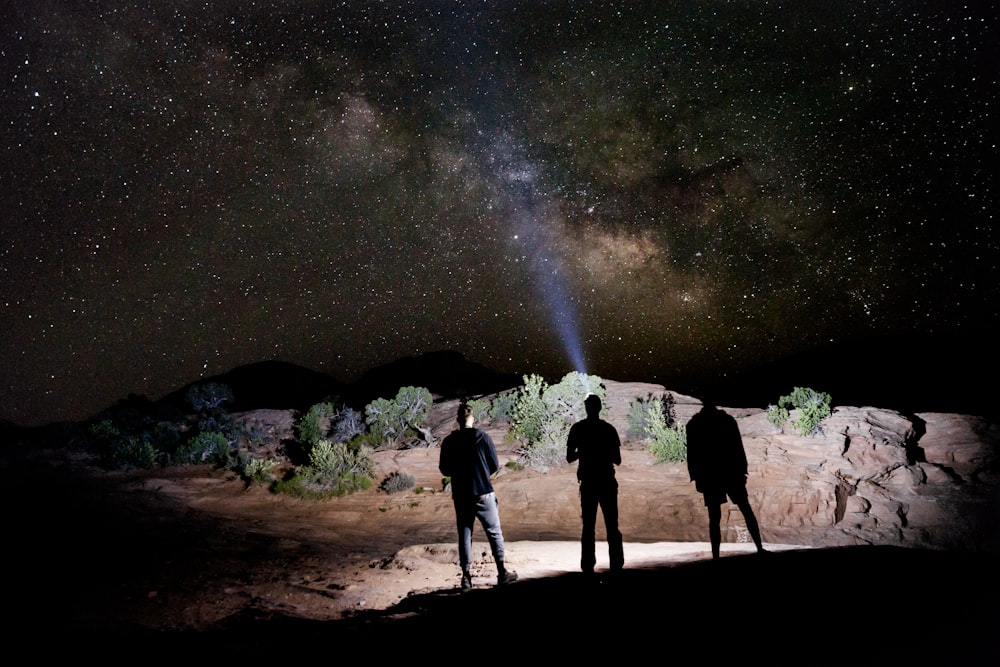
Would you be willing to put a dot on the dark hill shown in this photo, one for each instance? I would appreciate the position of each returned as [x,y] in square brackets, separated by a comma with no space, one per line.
[445,373]
[277,385]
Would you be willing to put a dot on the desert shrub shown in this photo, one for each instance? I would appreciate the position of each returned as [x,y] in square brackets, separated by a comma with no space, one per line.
[205,447]
[397,481]
[332,459]
[259,471]
[480,409]
[549,449]
[104,431]
[640,414]
[122,451]
[312,426]
[334,469]
[502,407]
[392,421]
[164,436]
[208,396]
[813,407]
[254,432]
[541,416]
[635,419]
[208,400]
[217,420]
[528,413]
[346,424]
[131,451]
[652,420]
[777,415]
[669,444]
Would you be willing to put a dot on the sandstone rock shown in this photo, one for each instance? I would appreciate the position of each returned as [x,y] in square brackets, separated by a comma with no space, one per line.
[869,476]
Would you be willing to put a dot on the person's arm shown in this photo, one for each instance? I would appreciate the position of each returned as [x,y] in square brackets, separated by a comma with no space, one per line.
[444,460]
[491,452]
[616,454]
[693,460]
[572,446]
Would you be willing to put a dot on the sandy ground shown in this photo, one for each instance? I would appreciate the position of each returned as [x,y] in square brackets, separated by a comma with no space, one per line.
[187,548]
[184,562]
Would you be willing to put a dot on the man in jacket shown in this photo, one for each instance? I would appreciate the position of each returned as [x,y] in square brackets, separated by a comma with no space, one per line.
[469,458]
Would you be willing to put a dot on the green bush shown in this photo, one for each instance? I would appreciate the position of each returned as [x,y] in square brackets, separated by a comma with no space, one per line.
[259,471]
[641,411]
[312,426]
[132,451]
[777,415]
[541,416]
[480,410]
[527,410]
[813,407]
[652,419]
[205,447]
[502,407]
[123,451]
[669,444]
[397,481]
[104,431]
[393,421]
[334,469]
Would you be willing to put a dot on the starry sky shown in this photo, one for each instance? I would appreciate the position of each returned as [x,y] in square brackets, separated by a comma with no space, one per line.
[650,191]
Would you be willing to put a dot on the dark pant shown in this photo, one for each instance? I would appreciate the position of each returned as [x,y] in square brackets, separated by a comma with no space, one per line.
[486,509]
[605,495]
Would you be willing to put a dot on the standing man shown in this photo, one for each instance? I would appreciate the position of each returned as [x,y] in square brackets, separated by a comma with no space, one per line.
[596,444]
[717,464]
[469,458]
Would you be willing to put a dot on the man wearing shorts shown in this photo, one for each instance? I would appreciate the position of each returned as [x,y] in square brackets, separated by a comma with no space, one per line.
[717,464]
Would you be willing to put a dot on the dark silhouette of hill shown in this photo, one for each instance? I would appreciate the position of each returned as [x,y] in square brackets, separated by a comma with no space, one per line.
[276,385]
[446,373]
[906,373]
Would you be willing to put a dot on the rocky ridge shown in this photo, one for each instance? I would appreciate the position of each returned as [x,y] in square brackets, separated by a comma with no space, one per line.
[870,476]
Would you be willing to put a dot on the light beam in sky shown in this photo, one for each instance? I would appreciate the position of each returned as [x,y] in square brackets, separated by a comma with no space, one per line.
[537,231]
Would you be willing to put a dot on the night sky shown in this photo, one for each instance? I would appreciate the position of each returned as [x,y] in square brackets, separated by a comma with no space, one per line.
[651,191]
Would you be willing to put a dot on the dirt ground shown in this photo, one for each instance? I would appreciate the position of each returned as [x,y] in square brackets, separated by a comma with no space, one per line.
[184,561]
[185,548]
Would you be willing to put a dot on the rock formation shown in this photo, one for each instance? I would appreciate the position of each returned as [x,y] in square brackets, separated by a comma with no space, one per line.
[870,476]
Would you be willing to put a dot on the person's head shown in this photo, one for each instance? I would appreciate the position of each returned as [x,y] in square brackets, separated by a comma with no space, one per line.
[465,415]
[593,405]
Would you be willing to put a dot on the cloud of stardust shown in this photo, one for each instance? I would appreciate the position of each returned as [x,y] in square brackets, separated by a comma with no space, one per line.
[534,226]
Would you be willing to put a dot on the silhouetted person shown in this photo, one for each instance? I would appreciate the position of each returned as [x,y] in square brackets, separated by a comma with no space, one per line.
[717,465]
[596,444]
[469,458]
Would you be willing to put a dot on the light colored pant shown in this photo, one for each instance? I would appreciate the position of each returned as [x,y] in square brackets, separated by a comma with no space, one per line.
[486,509]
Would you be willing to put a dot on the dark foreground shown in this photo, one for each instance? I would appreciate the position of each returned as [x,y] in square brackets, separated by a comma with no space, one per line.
[859,605]
[74,545]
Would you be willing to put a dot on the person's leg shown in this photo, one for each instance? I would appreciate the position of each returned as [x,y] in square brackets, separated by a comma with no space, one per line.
[609,508]
[488,511]
[714,527]
[465,516]
[588,507]
[743,502]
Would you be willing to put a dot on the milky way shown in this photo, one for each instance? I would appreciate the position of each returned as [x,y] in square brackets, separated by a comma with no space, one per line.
[650,191]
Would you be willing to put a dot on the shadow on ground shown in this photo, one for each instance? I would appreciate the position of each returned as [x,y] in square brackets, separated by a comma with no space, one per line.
[860,605]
